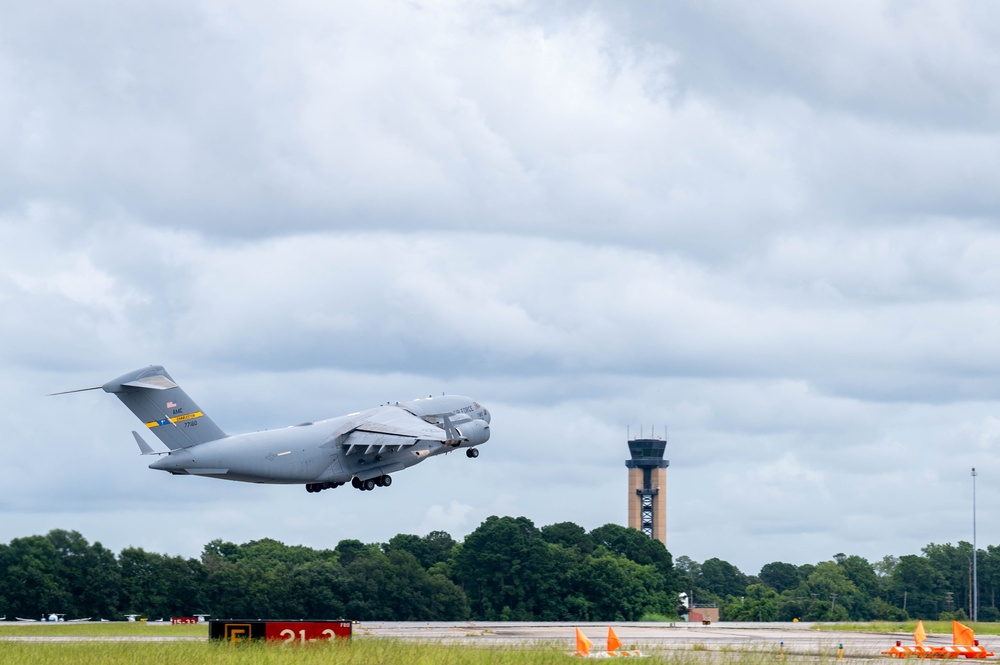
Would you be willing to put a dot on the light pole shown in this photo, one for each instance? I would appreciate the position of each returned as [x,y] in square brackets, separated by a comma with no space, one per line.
[975,579]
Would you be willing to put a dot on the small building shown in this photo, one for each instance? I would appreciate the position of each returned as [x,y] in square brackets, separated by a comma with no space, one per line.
[703,614]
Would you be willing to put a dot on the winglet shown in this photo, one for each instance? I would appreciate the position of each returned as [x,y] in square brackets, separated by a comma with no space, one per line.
[143,446]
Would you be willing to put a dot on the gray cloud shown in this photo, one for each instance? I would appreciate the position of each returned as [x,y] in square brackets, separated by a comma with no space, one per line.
[767,228]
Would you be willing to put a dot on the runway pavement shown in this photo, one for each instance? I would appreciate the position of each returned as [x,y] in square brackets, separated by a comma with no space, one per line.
[794,638]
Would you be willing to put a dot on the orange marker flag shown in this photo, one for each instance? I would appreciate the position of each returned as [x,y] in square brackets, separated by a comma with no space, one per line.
[582,644]
[962,635]
[919,635]
[613,642]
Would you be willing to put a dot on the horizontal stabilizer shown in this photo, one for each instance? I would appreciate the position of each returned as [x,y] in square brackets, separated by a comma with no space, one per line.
[145,447]
[153,382]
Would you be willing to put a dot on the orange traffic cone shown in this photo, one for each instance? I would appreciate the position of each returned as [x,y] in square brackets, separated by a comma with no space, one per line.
[613,642]
[919,635]
[962,635]
[582,644]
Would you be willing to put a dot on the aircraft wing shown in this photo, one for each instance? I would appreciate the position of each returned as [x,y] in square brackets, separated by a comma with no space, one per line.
[396,421]
[368,442]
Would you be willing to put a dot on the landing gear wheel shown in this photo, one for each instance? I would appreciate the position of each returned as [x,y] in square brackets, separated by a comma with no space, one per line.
[369,485]
[356,482]
[471,453]
[378,481]
[386,481]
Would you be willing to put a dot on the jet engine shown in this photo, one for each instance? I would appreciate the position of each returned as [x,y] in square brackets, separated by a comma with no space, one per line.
[476,431]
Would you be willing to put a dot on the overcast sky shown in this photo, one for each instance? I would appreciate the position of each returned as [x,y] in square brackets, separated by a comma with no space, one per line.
[769,227]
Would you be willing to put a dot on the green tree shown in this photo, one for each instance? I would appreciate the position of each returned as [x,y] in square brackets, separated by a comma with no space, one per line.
[989,583]
[436,547]
[954,565]
[31,582]
[862,575]
[348,550]
[722,578]
[156,585]
[759,604]
[316,590]
[780,576]
[686,574]
[503,566]
[568,534]
[635,546]
[918,587]
[87,573]
[618,589]
[831,587]
[886,565]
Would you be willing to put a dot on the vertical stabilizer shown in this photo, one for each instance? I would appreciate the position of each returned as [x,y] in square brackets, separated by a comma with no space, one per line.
[167,411]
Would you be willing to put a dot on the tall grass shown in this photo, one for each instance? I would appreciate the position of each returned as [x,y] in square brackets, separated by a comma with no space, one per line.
[365,651]
[357,652]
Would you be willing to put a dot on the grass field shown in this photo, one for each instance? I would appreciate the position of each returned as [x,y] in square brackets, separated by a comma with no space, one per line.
[358,652]
[198,650]
[374,651]
[20,650]
[105,629]
[930,627]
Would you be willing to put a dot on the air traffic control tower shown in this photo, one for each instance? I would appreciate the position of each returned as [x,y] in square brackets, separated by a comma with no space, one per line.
[647,487]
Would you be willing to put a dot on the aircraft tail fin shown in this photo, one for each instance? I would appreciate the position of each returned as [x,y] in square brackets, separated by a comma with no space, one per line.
[151,394]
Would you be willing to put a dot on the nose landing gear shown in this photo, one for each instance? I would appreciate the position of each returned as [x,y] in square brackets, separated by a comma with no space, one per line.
[471,453]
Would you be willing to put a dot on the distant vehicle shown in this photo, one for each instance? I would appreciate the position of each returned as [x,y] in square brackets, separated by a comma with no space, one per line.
[361,448]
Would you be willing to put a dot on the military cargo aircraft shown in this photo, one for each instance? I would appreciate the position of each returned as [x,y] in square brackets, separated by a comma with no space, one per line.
[361,448]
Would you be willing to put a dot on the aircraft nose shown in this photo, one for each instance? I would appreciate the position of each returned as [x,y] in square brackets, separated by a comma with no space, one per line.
[486,415]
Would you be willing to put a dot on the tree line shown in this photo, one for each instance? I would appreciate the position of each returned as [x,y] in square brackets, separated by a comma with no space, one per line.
[507,569]
[936,584]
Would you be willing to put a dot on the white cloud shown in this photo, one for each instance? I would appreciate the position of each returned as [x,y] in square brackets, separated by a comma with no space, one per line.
[452,518]
[768,228]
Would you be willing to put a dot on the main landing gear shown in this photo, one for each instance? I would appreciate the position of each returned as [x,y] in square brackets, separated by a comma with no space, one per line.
[319,487]
[363,485]
[471,453]
[371,483]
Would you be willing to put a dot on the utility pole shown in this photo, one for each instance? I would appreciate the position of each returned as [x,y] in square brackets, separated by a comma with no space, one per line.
[975,577]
